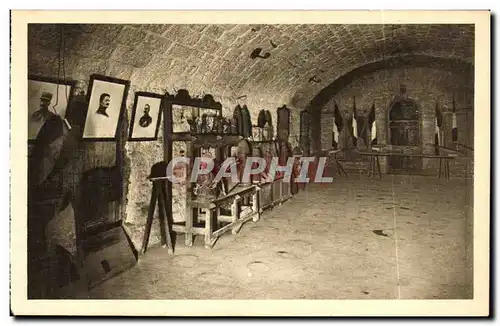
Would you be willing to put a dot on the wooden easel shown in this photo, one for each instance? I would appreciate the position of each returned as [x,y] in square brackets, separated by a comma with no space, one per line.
[158,195]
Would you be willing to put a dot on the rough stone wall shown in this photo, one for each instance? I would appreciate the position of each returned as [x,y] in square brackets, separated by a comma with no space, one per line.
[326,130]
[426,86]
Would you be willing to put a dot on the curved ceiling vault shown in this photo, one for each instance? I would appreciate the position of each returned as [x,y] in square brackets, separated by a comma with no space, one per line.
[294,63]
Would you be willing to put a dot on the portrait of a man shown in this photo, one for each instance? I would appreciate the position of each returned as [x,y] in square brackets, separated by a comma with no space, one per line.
[104,101]
[146,116]
[46,98]
[146,119]
[106,104]
[43,113]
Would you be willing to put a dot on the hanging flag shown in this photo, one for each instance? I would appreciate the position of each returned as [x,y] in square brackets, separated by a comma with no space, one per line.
[454,130]
[373,126]
[335,134]
[354,123]
[339,120]
[337,125]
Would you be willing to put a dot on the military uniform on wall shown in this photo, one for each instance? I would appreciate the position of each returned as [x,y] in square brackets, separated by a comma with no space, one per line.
[43,113]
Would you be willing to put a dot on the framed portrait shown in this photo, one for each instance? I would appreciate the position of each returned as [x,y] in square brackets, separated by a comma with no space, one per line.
[107,98]
[46,97]
[146,117]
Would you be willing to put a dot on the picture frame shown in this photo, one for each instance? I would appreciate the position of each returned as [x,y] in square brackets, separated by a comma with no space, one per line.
[146,127]
[54,93]
[107,98]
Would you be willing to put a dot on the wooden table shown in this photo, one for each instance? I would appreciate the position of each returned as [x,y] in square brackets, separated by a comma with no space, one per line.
[444,165]
[213,214]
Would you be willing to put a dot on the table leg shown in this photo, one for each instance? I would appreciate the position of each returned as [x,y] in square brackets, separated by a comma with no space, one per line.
[260,201]
[217,214]
[189,227]
[256,204]
[165,231]
[339,166]
[281,192]
[235,209]
[439,171]
[340,170]
[370,171]
[208,228]
[378,168]
[447,169]
[149,221]
[162,222]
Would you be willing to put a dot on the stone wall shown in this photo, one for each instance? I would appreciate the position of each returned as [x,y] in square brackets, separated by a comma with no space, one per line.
[326,130]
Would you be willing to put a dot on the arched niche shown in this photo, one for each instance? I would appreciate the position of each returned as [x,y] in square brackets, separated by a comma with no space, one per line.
[405,135]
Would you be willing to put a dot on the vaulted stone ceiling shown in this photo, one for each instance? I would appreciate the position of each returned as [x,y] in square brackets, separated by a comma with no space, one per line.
[304,59]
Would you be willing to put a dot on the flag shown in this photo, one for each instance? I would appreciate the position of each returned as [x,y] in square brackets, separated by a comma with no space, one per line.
[373,126]
[339,120]
[337,125]
[354,123]
[335,139]
[454,130]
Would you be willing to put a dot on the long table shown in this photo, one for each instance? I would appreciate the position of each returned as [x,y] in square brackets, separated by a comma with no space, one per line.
[212,210]
[444,165]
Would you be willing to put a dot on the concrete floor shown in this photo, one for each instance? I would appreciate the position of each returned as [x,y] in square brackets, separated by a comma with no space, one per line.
[403,237]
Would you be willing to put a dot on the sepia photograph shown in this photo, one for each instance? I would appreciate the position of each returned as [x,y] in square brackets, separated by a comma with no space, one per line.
[360,141]
[47,97]
[107,96]
[146,117]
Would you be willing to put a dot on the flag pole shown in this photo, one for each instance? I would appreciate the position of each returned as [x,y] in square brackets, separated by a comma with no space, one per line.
[373,129]
[454,129]
[437,128]
[354,123]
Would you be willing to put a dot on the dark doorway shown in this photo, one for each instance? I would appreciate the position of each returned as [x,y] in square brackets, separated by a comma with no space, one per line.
[404,128]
